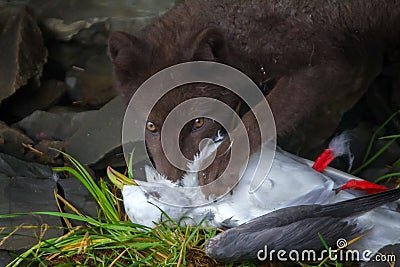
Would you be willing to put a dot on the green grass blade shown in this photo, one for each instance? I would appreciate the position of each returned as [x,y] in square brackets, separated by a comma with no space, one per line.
[130,165]
[373,138]
[387,176]
[373,158]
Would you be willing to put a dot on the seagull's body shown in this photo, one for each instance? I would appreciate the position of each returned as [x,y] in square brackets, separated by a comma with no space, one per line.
[291,182]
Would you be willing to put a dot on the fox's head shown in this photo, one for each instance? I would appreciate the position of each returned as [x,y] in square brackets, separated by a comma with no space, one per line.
[136,59]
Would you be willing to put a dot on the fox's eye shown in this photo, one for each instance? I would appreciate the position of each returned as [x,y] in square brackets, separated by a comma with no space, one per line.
[151,127]
[198,123]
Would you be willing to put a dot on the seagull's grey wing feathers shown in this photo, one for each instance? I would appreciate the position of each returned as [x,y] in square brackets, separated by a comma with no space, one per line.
[235,245]
[296,228]
[342,209]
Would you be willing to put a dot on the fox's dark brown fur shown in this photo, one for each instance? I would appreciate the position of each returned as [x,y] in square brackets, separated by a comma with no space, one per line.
[316,58]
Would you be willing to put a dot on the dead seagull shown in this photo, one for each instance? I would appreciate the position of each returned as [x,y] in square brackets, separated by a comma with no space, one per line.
[280,194]
[293,197]
[144,199]
[296,229]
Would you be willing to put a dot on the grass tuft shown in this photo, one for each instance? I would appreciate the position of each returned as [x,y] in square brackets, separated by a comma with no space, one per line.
[111,239]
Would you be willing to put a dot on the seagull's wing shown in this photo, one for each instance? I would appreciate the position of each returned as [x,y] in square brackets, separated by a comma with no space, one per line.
[236,245]
[296,228]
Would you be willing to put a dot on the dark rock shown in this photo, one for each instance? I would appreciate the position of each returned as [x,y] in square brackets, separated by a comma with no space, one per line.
[99,134]
[5,257]
[131,25]
[76,193]
[71,78]
[43,152]
[65,19]
[68,56]
[73,109]
[93,84]
[26,194]
[12,167]
[97,82]
[11,135]
[96,35]
[46,145]
[114,158]
[89,135]
[22,50]
[49,93]
[26,187]
[42,125]
[11,141]
[143,12]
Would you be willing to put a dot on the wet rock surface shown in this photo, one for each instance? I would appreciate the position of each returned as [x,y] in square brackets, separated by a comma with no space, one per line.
[79,197]
[56,91]
[65,19]
[40,97]
[26,187]
[92,86]
[5,256]
[23,53]
[97,135]
[11,140]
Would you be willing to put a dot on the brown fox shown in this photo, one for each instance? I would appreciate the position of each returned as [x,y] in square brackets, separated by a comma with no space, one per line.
[312,59]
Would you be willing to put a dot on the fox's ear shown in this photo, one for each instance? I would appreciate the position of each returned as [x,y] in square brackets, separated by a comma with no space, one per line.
[127,53]
[121,45]
[116,43]
[209,44]
[130,57]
